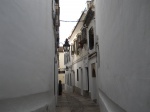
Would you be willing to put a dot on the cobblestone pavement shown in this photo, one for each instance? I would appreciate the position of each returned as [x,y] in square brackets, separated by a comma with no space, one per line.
[75,103]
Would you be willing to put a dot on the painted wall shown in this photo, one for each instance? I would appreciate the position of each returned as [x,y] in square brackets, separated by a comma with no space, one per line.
[61,66]
[26,55]
[123,28]
[93,80]
[61,60]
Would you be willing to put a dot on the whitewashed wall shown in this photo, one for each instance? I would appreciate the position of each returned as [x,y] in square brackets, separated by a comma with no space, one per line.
[123,28]
[93,80]
[26,55]
[61,60]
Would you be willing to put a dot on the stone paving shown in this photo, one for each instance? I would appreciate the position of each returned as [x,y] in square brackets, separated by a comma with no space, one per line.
[75,103]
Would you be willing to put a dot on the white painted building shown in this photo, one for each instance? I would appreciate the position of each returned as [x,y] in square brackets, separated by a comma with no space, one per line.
[123,29]
[27,56]
[61,66]
[82,58]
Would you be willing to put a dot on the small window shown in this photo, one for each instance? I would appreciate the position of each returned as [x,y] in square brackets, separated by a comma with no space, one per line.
[72,49]
[91,39]
[77,75]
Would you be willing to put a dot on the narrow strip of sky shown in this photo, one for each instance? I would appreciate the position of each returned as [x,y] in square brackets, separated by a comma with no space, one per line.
[70,10]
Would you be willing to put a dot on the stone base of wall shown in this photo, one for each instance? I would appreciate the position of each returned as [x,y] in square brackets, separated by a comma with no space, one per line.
[46,108]
[40,102]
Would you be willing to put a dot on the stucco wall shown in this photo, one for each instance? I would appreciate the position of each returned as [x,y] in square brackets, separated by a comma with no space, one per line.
[26,51]
[93,80]
[61,60]
[123,28]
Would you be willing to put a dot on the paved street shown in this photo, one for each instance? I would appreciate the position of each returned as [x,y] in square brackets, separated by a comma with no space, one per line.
[75,103]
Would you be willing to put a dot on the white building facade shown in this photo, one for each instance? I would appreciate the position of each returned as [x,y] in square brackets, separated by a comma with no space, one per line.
[61,66]
[81,61]
[28,59]
[123,29]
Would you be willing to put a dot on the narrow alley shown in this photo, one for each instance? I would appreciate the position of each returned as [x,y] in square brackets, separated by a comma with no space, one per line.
[75,103]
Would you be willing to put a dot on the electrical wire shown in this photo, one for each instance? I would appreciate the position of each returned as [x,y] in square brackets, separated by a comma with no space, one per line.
[73,21]
[69,21]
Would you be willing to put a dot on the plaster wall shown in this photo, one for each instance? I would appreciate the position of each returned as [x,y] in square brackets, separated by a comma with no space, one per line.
[62,78]
[93,80]
[26,55]
[76,66]
[61,60]
[91,25]
[123,28]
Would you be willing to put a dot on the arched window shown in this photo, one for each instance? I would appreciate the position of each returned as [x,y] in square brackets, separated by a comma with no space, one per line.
[91,38]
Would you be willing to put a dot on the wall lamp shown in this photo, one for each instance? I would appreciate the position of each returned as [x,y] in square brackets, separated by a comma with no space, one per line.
[66,46]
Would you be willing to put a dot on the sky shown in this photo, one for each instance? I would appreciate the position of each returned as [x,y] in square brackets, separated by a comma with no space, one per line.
[70,10]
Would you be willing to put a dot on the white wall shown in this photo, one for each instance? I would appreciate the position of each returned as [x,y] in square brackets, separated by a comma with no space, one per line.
[93,80]
[26,53]
[61,60]
[123,28]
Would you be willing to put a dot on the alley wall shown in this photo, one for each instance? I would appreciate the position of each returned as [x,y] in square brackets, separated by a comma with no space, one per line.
[26,56]
[123,29]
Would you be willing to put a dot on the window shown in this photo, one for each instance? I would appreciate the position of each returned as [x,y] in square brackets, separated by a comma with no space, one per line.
[77,75]
[91,39]
[72,49]
[84,33]
[79,38]
[75,47]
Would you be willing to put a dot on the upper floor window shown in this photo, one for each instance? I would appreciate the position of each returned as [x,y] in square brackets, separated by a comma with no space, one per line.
[91,38]
[79,38]
[66,58]
[84,35]
[76,47]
